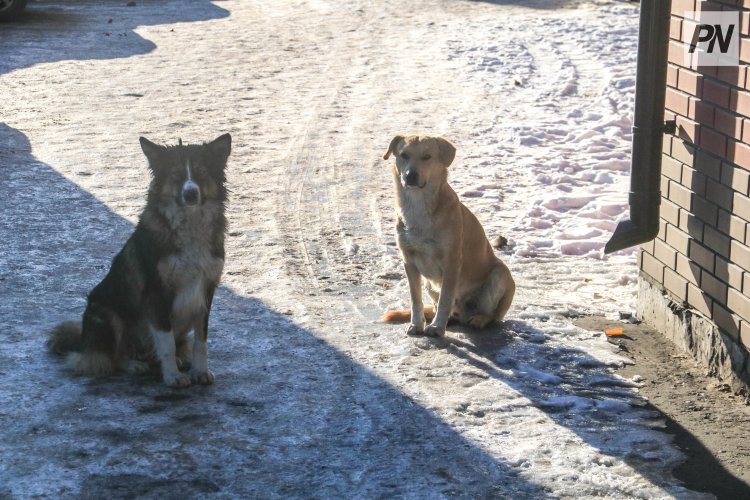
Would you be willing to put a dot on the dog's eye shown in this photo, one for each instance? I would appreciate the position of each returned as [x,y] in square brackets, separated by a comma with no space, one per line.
[404,156]
[426,157]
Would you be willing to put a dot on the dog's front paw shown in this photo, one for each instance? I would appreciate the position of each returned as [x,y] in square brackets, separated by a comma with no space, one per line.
[434,331]
[202,378]
[414,330]
[177,379]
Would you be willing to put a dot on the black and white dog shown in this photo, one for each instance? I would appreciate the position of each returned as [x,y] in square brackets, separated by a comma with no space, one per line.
[161,284]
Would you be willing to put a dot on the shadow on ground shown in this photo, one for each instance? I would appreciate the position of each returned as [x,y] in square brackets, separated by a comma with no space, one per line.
[43,33]
[585,397]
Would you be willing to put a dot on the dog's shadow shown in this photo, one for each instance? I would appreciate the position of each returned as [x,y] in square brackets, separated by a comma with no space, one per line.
[578,392]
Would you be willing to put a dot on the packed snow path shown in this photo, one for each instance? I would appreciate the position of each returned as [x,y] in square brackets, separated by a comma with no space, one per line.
[314,397]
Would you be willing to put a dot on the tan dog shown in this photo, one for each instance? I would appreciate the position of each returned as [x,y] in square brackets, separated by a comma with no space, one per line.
[442,241]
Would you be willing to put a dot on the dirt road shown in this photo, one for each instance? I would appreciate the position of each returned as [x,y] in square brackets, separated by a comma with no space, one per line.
[314,397]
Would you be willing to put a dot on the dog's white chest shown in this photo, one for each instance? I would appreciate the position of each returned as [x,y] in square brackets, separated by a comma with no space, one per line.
[189,273]
[417,238]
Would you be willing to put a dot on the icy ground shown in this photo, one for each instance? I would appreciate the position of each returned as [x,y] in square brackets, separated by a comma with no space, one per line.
[314,397]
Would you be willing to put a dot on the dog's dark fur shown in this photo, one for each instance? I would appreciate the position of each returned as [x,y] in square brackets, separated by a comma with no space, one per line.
[161,284]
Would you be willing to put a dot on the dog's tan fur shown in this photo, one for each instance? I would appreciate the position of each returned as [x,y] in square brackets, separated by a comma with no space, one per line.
[442,241]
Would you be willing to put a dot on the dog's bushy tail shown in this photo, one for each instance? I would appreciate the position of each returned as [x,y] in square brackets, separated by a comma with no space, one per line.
[66,340]
[404,315]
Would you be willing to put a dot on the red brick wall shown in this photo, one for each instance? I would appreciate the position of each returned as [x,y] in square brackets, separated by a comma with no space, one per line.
[701,256]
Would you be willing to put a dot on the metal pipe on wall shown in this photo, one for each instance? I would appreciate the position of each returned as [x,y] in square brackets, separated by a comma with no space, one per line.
[648,128]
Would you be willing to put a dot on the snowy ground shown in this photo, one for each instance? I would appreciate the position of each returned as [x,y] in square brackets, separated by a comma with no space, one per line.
[314,397]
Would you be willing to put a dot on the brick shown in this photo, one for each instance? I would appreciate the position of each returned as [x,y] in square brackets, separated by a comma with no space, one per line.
[733,75]
[662,234]
[672,76]
[670,212]
[664,186]
[726,321]
[739,254]
[728,123]
[706,164]
[744,23]
[689,81]
[699,300]
[731,225]
[745,50]
[691,224]
[701,255]
[716,241]
[715,288]
[719,194]
[738,303]
[688,269]
[745,334]
[694,180]
[739,153]
[704,70]
[678,240]
[680,7]
[648,247]
[676,53]
[666,145]
[742,206]
[680,195]
[705,6]
[716,92]
[675,28]
[665,253]
[701,112]
[739,102]
[671,168]
[685,152]
[688,129]
[676,101]
[728,273]
[652,267]
[736,178]
[705,211]
[675,284]
[713,142]
[746,283]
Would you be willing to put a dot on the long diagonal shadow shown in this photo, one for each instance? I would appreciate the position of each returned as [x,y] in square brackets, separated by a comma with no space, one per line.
[61,31]
[579,392]
[288,416]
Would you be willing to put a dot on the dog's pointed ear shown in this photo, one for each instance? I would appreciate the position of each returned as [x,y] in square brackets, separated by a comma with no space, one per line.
[151,150]
[221,146]
[393,147]
[447,151]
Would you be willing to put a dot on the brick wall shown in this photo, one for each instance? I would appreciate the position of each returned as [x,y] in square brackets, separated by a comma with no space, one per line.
[701,257]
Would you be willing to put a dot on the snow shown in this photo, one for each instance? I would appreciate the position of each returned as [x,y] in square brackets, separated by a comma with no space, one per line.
[314,396]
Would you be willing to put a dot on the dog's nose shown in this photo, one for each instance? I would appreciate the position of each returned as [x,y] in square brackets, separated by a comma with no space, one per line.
[411,177]
[190,194]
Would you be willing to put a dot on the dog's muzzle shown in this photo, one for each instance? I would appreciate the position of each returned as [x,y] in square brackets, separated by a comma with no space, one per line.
[191,194]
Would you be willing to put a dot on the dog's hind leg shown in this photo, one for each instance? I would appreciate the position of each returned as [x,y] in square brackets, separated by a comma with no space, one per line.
[505,301]
[493,299]
[98,343]
[199,372]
